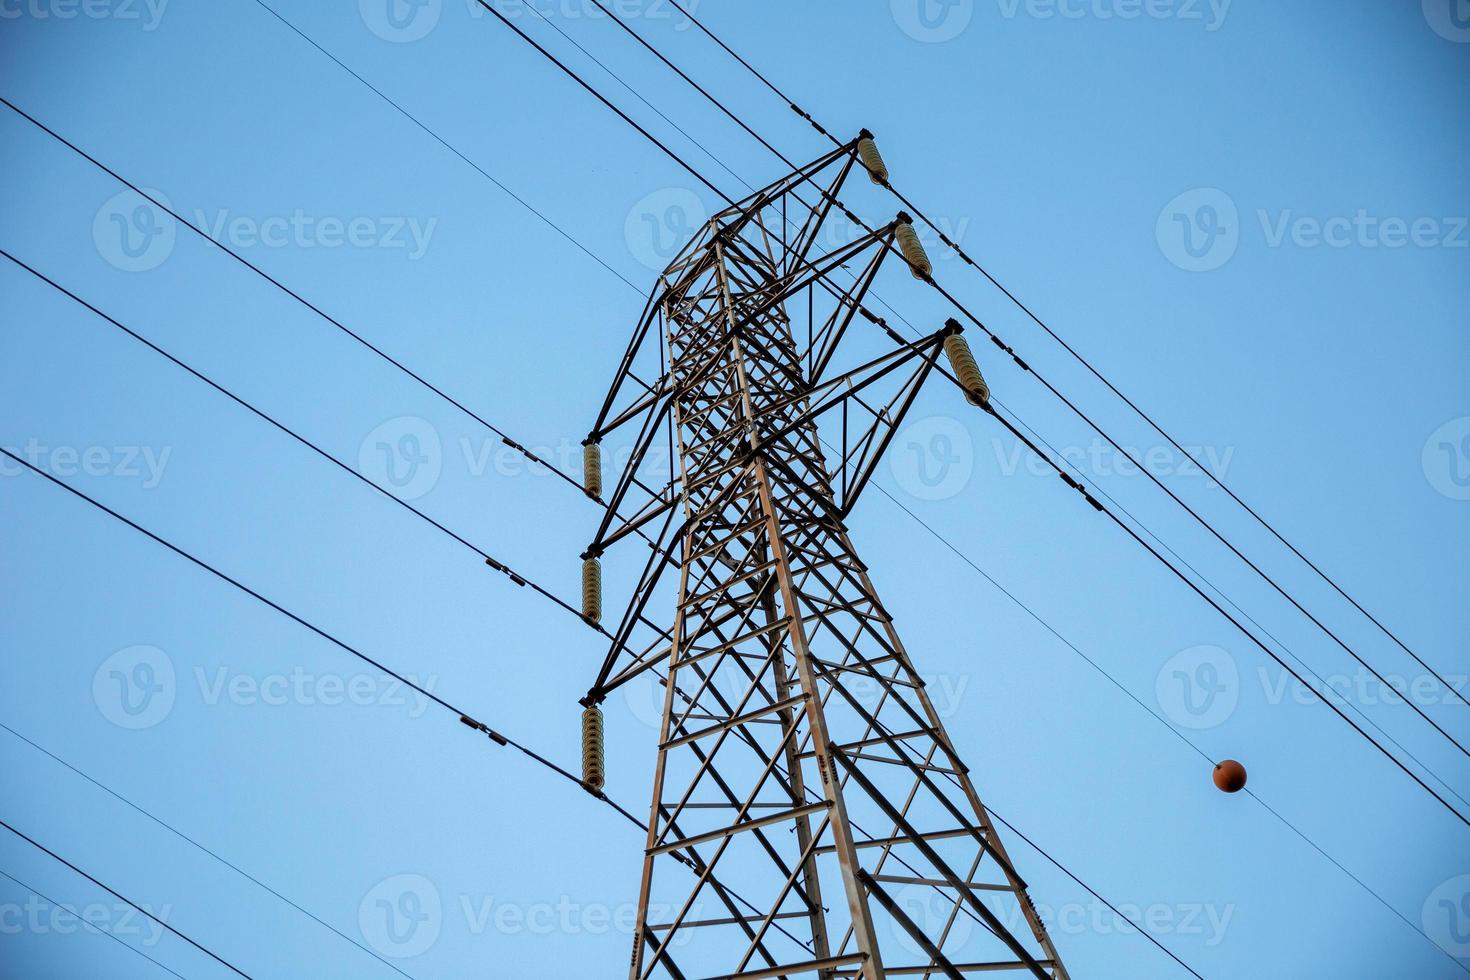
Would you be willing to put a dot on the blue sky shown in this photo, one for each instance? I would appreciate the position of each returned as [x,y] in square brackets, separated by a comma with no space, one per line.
[1249,216]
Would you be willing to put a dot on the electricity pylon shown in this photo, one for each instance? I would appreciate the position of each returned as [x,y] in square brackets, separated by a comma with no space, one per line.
[799,754]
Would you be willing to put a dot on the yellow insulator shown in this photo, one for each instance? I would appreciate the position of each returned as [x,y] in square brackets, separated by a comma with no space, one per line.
[594,769]
[977,392]
[871,158]
[913,250]
[592,589]
[592,468]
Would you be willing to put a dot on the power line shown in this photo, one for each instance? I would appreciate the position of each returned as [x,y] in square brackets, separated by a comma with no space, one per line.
[542,217]
[1098,506]
[955,302]
[495,736]
[203,949]
[191,841]
[1218,481]
[1155,715]
[1050,387]
[514,576]
[507,440]
[522,202]
[97,929]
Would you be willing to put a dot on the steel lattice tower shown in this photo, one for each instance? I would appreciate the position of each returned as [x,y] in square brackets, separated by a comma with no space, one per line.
[799,758]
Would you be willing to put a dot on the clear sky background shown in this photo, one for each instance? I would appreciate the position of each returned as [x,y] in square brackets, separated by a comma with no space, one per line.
[1149,184]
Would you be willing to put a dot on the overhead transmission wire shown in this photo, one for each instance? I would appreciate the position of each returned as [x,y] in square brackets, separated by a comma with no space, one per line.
[469,721]
[955,302]
[126,901]
[399,108]
[95,928]
[964,256]
[1100,508]
[510,573]
[881,489]
[1368,719]
[200,847]
[496,736]
[1064,476]
[1072,406]
[513,195]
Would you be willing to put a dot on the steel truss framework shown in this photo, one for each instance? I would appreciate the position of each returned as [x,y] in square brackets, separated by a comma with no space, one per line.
[799,753]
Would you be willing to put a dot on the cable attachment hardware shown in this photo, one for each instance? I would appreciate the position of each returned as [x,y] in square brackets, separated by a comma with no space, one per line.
[594,768]
[912,248]
[872,159]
